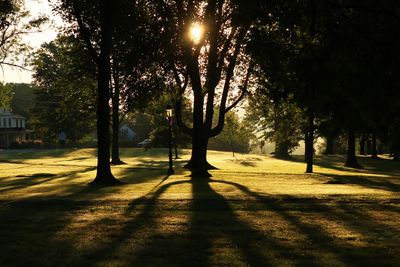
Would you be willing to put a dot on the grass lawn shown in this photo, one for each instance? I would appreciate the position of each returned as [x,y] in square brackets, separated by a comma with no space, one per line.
[255,211]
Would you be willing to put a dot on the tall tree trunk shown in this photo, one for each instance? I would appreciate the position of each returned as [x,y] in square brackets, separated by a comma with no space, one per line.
[362,144]
[330,142]
[351,150]
[305,146]
[115,160]
[281,150]
[369,146]
[374,153]
[175,141]
[198,164]
[104,175]
[310,143]
[281,147]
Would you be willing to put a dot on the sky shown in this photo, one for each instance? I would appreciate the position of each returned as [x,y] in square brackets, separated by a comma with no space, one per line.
[48,33]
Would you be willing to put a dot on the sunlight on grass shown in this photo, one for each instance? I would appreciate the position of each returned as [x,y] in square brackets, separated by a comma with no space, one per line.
[65,173]
[255,210]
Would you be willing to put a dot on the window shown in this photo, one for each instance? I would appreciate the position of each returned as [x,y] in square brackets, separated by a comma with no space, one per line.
[9,122]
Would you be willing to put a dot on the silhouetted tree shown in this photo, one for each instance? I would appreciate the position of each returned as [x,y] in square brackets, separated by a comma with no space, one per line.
[95,26]
[206,65]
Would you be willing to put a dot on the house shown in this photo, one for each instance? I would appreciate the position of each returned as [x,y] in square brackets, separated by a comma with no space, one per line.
[12,128]
[126,132]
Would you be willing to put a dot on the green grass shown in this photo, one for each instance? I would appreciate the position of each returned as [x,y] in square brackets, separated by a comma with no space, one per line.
[255,211]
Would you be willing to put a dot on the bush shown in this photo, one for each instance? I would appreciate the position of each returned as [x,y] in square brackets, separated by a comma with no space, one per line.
[25,144]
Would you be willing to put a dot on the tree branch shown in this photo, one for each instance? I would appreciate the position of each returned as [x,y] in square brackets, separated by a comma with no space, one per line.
[84,33]
[15,65]
[244,89]
[178,101]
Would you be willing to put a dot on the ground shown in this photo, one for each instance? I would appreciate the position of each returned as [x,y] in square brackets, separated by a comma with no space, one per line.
[255,211]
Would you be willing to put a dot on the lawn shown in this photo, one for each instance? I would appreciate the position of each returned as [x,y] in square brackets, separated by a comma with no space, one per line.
[255,211]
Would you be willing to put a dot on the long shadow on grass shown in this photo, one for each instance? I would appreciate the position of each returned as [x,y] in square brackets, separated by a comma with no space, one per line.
[148,170]
[336,162]
[151,236]
[214,227]
[33,231]
[25,181]
[211,221]
[320,239]
[364,181]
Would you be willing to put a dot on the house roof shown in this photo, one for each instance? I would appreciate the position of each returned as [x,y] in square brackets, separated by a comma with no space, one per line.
[4,112]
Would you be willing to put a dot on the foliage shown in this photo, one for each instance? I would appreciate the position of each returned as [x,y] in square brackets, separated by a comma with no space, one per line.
[5,96]
[212,67]
[276,120]
[141,123]
[15,22]
[64,81]
[26,144]
[23,100]
[323,55]
[234,137]
[159,123]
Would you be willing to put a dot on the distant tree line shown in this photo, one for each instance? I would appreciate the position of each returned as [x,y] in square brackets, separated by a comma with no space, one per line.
[327,68]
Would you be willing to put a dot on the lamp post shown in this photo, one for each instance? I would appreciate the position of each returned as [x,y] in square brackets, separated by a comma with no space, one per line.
[168,111]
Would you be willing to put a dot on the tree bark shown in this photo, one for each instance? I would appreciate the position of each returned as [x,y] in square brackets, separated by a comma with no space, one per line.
[351,160]
[369,146]
[310,143]
[281,150]
[115,159]
[104,175]
[220,64]
[198,164]
[374,153]
[330,141]
[175,141]
[362,144]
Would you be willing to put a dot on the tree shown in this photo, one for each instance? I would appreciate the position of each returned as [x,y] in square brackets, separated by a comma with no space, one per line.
[94,21]
[64,88]
[23,100]
[135,73]
[210,63]
[292,62]
[15,22]
[114,35]
[276,119]
[235,136]
[330,128]
[5,96]
[159,124]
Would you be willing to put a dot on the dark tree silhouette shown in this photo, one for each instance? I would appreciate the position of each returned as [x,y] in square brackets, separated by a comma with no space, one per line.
[95,22]
[206,66]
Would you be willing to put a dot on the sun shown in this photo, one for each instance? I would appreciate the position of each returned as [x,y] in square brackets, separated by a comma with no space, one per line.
[196,32]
